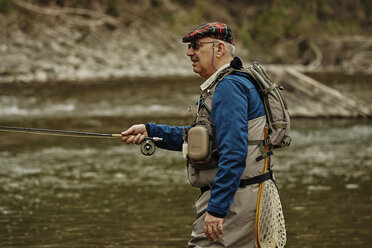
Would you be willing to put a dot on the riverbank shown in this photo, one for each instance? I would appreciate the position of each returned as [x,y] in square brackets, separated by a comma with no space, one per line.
[45,54]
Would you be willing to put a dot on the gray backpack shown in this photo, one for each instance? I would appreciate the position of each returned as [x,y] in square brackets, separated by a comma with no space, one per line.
[275,107]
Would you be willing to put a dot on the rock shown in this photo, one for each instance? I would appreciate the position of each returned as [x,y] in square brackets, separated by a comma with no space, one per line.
[40,76]
[3,48]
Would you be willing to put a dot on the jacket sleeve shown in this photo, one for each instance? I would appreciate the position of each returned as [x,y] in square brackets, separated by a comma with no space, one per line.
[172,136]
[230,119]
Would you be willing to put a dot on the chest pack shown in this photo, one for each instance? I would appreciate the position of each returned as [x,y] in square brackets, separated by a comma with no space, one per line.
[200,145]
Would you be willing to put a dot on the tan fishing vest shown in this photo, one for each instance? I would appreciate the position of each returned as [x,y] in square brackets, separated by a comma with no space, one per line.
[203,177]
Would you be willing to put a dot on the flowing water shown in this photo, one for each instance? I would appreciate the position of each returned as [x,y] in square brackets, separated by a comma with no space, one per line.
[90,192]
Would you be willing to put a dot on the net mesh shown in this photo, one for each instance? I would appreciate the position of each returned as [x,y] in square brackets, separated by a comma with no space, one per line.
[271,226]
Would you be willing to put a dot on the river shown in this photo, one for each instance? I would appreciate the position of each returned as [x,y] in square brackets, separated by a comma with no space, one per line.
[90,192]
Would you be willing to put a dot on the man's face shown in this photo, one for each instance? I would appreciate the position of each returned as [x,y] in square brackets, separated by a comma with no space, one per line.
[202,57]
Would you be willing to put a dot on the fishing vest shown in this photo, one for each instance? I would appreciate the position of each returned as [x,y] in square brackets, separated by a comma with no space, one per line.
[200,137]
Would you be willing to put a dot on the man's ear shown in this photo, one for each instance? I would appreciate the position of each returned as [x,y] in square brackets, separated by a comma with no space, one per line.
[220,49]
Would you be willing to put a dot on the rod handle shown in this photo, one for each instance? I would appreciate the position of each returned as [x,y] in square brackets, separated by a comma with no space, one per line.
[117,135]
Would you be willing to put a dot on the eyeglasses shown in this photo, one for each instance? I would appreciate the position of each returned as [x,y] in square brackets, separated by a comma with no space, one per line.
[197,44]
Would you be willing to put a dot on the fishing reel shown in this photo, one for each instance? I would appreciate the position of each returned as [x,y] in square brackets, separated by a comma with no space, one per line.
[148,146]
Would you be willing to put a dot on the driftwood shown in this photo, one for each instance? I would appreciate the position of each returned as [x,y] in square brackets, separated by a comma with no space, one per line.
[76,16]
[309,98]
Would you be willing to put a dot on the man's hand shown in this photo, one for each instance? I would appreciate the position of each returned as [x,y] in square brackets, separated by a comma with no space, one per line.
[135,134]
[213,227]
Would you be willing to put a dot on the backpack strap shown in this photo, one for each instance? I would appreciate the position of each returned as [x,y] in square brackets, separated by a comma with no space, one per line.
[261,144]
[268,90]
[227,71]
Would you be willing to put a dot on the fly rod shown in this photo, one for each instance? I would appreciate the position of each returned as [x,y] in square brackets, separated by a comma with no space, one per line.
[147,146]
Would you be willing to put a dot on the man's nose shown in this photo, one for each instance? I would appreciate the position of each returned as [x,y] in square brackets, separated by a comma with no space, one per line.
[190,52]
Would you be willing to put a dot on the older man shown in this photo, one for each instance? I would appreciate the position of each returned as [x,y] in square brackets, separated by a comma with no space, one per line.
[226,208]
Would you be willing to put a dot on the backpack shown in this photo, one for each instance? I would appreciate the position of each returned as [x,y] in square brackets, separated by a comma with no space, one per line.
[277,115]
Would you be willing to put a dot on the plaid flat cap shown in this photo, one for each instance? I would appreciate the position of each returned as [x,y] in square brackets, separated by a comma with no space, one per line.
[215,30]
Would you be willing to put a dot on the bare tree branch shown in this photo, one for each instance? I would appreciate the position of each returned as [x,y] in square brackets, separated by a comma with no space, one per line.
[75,16]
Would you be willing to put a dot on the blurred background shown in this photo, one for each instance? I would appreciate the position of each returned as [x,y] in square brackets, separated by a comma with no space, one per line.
[103,65]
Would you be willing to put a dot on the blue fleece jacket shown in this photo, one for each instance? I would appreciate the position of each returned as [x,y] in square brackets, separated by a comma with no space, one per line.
[235,102]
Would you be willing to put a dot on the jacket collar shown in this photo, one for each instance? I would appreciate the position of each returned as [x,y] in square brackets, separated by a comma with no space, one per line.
[212,78]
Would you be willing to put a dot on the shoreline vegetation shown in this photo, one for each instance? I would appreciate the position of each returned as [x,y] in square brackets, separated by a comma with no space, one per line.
[63,40]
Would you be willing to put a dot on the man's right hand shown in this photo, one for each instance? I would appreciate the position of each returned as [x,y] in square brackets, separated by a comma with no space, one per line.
[135,134]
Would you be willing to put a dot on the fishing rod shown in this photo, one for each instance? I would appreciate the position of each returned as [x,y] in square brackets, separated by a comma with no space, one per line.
[147,146]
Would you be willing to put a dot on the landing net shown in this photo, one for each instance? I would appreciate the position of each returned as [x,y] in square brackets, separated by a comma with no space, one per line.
[271,226]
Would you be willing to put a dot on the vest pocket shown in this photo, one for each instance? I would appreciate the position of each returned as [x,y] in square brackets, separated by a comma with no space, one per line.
[198,144]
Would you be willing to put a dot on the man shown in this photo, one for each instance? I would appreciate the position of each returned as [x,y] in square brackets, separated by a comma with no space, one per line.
[227,206]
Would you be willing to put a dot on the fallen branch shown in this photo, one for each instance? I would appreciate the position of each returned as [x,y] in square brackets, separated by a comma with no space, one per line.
[71,14]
